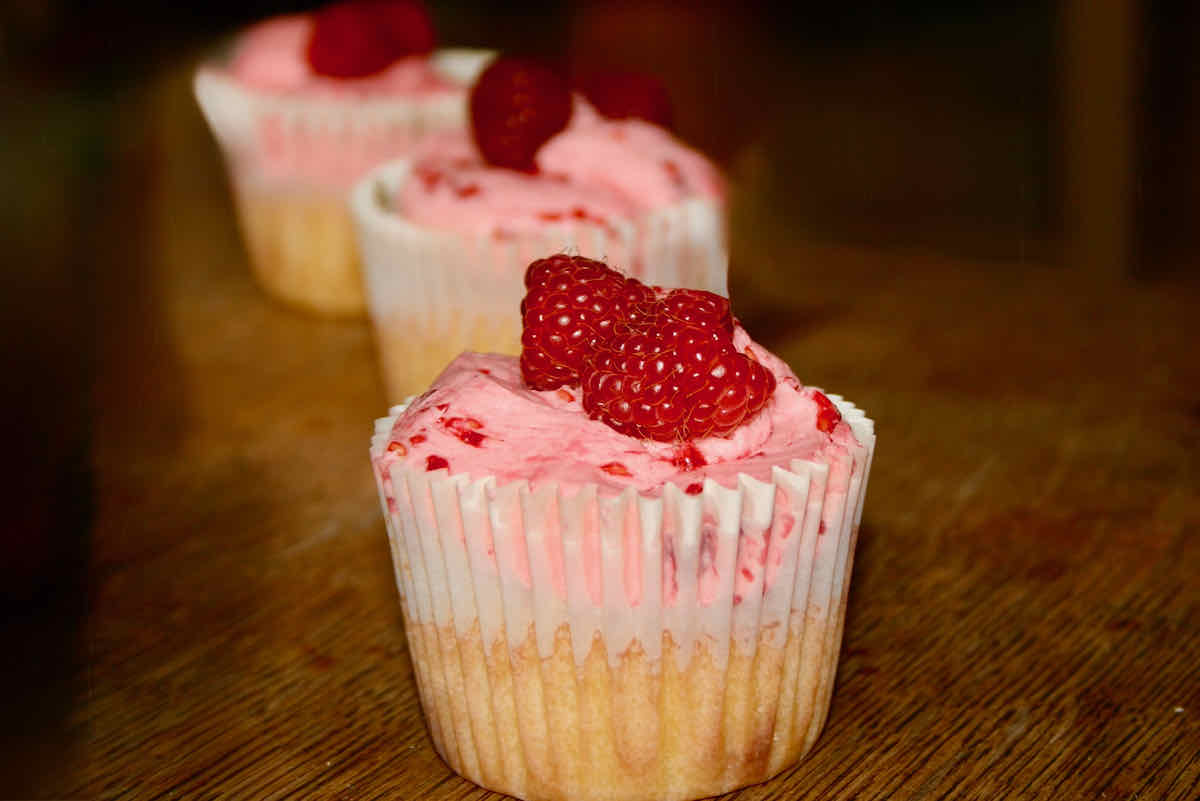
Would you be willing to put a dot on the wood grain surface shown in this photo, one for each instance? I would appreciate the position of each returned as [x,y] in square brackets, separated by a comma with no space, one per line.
[1024,615]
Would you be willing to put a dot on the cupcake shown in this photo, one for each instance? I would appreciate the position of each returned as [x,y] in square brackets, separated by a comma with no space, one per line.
[447,234]
[302,106]
[623,557]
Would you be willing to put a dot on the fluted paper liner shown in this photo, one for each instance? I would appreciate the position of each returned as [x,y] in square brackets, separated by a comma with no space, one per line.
[292,158]
[544,680]
[434,293]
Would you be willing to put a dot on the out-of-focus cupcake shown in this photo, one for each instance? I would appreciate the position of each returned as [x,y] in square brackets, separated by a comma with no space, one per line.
[302,106]
[446,235]
[620,582]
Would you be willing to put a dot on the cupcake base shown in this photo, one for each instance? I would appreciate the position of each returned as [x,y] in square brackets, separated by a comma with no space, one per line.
[302,248]
[540,729]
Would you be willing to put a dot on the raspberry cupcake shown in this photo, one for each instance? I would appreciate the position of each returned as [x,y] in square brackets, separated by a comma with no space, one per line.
[624,556]
[446,235]
[302,106]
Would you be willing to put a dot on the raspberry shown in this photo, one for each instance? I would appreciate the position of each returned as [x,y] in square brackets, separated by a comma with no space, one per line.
[356,38]
[570,302]
[651,364]
[828,415]
[668,381]
[620,95]
[516,106]
[406,25]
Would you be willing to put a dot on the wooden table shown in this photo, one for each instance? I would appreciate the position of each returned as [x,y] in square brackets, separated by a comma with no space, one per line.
[1024,618]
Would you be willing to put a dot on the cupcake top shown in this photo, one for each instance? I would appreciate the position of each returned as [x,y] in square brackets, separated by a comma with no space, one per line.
[338,51]
[596,170]
[660,387]
[537,155]
[480,419]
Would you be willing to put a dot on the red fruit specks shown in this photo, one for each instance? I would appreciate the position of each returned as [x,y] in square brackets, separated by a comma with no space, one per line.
[397,447]
[417,439]
[516,105]
[694,488]
[621,95]
[827,414]
[356,38]
[569,303]
[670,569]
[651,364]
[616,469]
[688,458]
[708,546]
[466,429]
[674,173]
[435,462]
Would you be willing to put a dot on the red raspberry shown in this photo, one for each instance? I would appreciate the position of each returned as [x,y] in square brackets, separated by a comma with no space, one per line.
[828,415]
[356,38]
[570,302]
[406,24]
[651,364]
[621,95]
[697,307]
[516,106]
[671,382]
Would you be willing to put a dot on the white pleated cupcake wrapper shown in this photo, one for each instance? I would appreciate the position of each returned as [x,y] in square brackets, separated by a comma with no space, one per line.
[430,280]
[470,552]
[327,141]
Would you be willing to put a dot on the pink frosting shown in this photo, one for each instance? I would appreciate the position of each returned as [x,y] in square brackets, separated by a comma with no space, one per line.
[479,413]
[596,170]
[273,56]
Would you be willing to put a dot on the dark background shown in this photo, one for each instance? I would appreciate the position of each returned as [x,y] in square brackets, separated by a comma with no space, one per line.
[957,127]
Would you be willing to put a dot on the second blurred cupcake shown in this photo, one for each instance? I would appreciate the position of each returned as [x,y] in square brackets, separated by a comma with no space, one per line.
[302,106]
[446,235]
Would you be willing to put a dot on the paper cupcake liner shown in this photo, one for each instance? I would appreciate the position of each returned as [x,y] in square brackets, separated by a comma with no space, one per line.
[597,646]
[433,293]
[292,160]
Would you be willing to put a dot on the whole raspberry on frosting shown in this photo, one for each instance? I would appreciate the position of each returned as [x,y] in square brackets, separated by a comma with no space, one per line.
[516,106]
[650,364]
[571,302]
[357,38]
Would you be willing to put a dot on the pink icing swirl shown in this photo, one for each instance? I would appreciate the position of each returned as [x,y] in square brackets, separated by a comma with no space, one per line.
[479,414]
[272,56]
[597,171]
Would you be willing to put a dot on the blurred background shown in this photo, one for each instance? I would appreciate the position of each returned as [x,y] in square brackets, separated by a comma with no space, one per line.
[1063,133]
